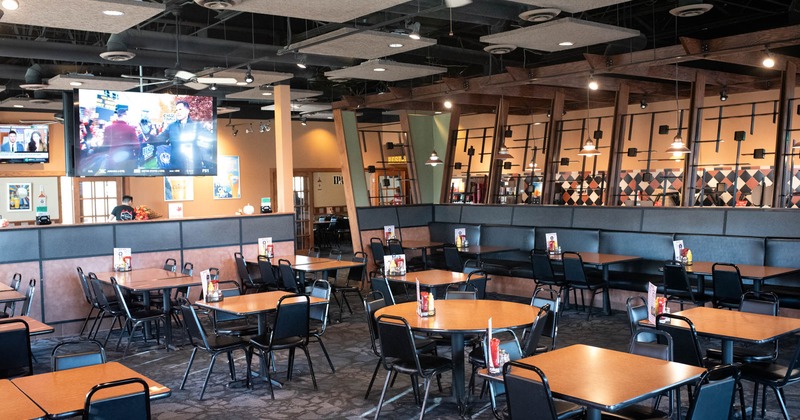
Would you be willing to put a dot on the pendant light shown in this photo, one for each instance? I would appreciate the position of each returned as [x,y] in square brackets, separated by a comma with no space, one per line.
[589,149]
[503,154]
[433,160]
[677,147]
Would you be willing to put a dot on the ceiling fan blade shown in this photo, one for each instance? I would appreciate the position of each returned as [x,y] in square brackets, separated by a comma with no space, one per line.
[131,76]
[194,85]
[184,75]
[217,80]
[160,82]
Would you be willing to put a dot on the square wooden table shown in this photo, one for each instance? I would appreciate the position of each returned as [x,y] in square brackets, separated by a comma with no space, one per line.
[145,280]
[757,273]
[323,267]
[35,327]
[5,288]
[11,296]
[17,405]
[63,393]
[605,380]
[730,326]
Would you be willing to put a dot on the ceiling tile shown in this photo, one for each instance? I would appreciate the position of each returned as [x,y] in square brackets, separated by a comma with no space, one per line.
[63,82]
[257,94]
[366,45]
[323,10]
[21,104]
[547,36]
[572,6]
[393,71]
[302,108]
[260,77]
[83,15]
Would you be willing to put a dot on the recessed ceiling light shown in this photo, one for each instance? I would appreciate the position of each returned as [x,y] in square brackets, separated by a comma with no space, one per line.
[241,83]
[448,104]
[395,45]
[379,69]
[267,93]
[19,106]
[75,84]
[566,43]
[113,12]
[10,4]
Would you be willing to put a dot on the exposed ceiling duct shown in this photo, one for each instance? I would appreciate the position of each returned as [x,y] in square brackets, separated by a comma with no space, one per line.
[117,48]
[218,4]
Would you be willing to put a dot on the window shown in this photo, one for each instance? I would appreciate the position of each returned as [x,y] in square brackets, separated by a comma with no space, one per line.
[96,198]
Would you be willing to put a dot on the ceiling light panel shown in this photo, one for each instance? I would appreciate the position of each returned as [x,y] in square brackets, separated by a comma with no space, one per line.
[549,35]
[323,10]
[260,77]
[256,94]
[394,71]
[65,82]
[83,15]
[348,42]
[572,6]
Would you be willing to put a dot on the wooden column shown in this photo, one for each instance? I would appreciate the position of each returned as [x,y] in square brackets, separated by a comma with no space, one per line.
[692,136]
[783,180]
[449,155]
[284,165]
[617,139]
[553,147]
[496,166]
[408,150]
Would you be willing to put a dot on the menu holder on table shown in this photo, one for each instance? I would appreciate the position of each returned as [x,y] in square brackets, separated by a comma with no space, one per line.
[122,259]
[425,303]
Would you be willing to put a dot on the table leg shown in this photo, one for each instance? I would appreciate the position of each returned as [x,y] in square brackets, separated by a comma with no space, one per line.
[727,351]
[593,413]
[757,285]
[168,322]
[457,345]
[606,297]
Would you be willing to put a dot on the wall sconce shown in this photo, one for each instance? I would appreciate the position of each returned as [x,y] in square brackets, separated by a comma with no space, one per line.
[723,95]
[643,104]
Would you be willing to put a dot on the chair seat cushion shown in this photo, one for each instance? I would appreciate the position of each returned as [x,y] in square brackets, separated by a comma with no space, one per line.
[424,345]
[431,365]
[146,313]
[220,342]
[768,373]
[262,341]
[237,330]
[477,357]
[743,355]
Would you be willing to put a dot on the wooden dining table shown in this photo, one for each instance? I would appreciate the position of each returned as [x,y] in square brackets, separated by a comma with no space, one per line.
[35,327]
[63,393]
[5,288]
[729,326]
[423,246]
[430,278]
[145,280]
[457,318]
[16,405]
[11,296]
[756,273]
[602,379]
[602,262]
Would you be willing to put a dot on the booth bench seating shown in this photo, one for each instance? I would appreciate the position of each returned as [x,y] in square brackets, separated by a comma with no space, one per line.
[653,248]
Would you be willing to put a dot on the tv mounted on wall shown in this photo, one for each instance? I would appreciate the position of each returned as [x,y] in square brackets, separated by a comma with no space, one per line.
[144,134]
[22,143]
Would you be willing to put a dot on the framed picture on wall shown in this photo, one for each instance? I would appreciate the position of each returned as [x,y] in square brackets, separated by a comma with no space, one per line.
[19,196]
[226,182]
[178,188]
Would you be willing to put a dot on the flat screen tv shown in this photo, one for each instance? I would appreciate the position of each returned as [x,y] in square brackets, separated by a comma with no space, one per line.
[144,134]
[24,143]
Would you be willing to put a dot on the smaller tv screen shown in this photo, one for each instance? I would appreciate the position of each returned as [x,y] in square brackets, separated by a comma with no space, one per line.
[144,134]
[24,143]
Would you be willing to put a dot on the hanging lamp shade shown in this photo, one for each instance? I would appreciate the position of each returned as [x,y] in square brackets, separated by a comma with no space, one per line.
[434,159]
[677,146]
[795,144]
[503,154]
[589,149]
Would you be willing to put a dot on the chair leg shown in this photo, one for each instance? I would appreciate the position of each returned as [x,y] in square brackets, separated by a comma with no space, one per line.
[779,395]
[231,366]
[291,365]
[383,394]
[325,351]
[371,381]
[311,367]
[208,374]
[189,366]
[427,382]
[86,321]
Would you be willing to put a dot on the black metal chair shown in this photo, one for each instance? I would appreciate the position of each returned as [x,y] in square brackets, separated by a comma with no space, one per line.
[321,289]
[214,345]
[399,354]
[108,307]
[289,332]
[378,252]
[90,299]
[637,309]
[776,376]
[728,288]
[380,284]
[551,324]
[452,259]
[529,392]
[268,280]
[129,406]
[26,305]
[63,359]
[678,288]
[476,281]
[136,317]
[543,273]
[246,279]
[575,277]
[352,283]
[10,307]
[230,324]
[288,277]
[15,349]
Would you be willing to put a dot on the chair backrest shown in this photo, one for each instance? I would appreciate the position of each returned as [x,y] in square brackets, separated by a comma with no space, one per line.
[676,281]
[335,254]
[87,292]
[241,268]
[357,273]
[26,307]
[16,280]
[370,307]
[573,268]
[660,349]
[291,318]
[686,347]
[453,293]
[288,280]
[376,247]
[194,329]
[320,289]
[314,252]
[554,300]
[471,265]
[10,307]
[213,273]
[452,260]
[123,298]
[542,267]
[532,339]
[397,341]
[188,269]
[267,271]
[764,303]
[727,281]
[527,392]
[637,311]
[228,288]
[171,265]
[380,284]
[99,291]
[714,396]
[15,349]
[63,359]
[476,281]
[133,406]
[395,246]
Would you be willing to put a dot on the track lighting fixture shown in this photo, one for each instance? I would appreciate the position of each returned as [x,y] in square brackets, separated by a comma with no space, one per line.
[414,27]
[249,129]
[235,131]
[301,61]
[448,104]
[303,120]
[248,77]
[643,104]
[213,86]
[723,95]
[263,128]
[433,160]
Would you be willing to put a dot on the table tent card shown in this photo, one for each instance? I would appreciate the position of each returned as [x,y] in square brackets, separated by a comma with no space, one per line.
[122,259]
[265,247]
[651,303]
[460,235]
[176,210]
[388,232]
[678,247]
[552,241]
[395,265]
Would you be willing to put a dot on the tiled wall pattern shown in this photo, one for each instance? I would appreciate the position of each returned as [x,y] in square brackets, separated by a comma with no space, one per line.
[581,188]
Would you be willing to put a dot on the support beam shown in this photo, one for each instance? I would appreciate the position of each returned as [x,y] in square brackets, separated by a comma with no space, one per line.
[617,139]
[411,167]
[284,164]
[689,186]
[553,146]
[450,154]
[352,171]
[783,144]
[496,166]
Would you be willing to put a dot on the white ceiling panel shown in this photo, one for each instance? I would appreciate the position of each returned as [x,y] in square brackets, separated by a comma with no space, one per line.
[303,108]
[366,45]
[83,15]
[323,10]
[547,36]
[392,71]
[260,77]
[572,6]
[29,103]
[258,94]
[65,82]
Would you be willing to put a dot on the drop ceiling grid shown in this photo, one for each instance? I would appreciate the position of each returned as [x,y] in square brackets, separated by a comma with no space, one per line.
[572,6]
[394,71]
[365,45]
[82,15]
[323,10]
[546,36]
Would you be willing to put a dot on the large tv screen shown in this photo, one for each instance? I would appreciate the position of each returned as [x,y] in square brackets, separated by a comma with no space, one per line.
[144,134]
[24,143]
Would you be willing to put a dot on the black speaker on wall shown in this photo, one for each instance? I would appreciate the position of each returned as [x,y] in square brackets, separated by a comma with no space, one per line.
[738,135]
[457,165]
[663,129]
[506,165]
[564,161]
[632,152]
[759,153]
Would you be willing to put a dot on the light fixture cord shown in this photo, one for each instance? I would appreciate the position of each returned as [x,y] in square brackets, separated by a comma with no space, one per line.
[677,103]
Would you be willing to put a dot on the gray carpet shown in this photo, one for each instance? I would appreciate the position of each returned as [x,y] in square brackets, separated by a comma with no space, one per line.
[341,395]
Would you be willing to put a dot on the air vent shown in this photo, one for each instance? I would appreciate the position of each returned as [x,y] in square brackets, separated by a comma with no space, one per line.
[218,4]
[500,49]
[34,86]
[117,55]
[691,10]
[39,101]
[539,15]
